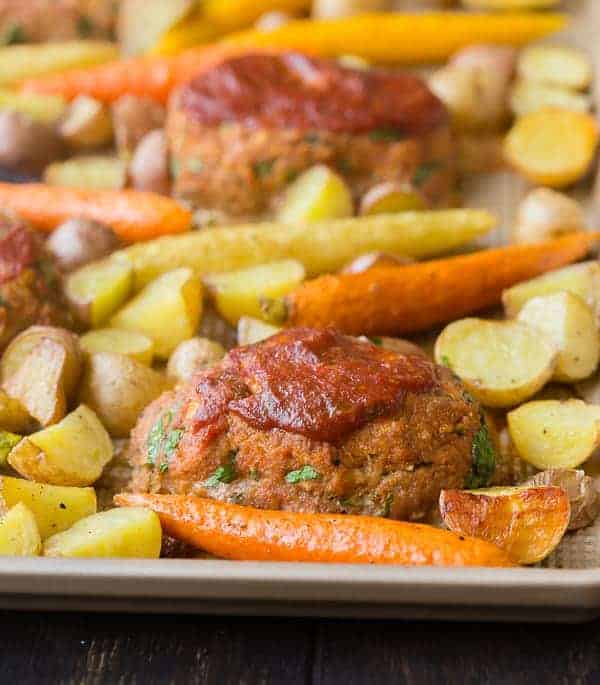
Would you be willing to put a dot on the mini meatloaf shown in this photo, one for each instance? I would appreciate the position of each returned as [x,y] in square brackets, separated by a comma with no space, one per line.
[38,21]
[312,421]
[29,283]
[243,130]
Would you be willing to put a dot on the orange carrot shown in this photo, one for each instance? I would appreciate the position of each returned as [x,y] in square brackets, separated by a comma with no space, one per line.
[230,531]
[133,215]
[403,299]
[153,77]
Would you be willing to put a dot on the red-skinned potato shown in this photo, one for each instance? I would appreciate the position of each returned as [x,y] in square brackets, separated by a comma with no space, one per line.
[149,166]
[527,522]
[78,242]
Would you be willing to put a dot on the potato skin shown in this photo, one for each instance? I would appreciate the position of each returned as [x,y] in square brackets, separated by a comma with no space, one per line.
[25,144]
[80,241]
[118,389]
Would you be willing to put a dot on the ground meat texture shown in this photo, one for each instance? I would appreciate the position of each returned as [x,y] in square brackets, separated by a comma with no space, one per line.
[242,131]
[29,282]
[381,434]
[38,21]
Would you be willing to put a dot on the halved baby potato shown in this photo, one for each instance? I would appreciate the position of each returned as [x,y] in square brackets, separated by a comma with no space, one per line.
[55,507]
[129,532]
[19,534]
[167,310]
[134,345]
[388,198]
[317,194]
[582,280]
[193,355]
[528,96]
[570,324]
[72,452]
[243,293]
[502,363]
[118,389]
[527,522]
[557,65]
[251,330]
[554,434]
[98,289]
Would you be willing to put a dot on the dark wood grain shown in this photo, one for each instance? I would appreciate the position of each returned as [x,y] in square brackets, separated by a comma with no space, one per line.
[97,650]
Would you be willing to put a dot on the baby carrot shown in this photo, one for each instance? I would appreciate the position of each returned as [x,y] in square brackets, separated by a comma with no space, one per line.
[404,299]
[132,215]
[230,531]
[390,37]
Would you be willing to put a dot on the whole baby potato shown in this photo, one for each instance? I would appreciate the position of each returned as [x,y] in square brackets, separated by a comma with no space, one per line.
[77,242]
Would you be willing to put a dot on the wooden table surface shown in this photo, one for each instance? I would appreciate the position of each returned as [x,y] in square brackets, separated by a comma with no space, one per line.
[96,649]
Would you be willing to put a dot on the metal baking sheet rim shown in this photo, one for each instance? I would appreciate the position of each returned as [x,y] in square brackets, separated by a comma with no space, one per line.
[225,587]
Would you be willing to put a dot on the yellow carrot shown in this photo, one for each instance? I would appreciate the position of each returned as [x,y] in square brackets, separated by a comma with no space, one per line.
[390,37]
[232,15]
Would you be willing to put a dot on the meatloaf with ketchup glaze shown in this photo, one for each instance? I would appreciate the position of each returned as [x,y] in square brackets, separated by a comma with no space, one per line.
[244,129]
[312,421]
[29,282]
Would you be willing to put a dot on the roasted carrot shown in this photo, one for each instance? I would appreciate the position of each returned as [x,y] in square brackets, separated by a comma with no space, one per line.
[153,77]
[233,15]
[133,215]
[403,299]
[230,531]
[390,37]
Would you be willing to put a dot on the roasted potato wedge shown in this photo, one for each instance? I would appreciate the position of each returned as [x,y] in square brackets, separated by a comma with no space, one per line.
[72,452]
[316,195]
[244,292]
[553,147]
[582,280]
[527,522]
[97,290]
[129,532]
[19,349]
[55,508]
[167,310]
[193,355]
[583,495]
[39,384]
[555,64]
[19,534]
[502,363]
[88,173]
[13,415]
[250,330]
[555,434]
[136,346]
[87,124]
[571,325]
[118,389]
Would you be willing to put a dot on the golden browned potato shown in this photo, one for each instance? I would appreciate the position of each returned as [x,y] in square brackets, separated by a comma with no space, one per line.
[55,507]
[583,495]
[18,351]
[13,415]
[118,389]
[582,280]
[129,532]
[502,363]
[545,214]
[97,290]
[87,124]
[78,242]
[19,534]
[149,166]
[527,522]
[555,434]
[25,144]
[134,345]
[557,65]
[72,452]
[167,310]
[530,96]
[571,325]
[389,197]
[250,330]
[193,355]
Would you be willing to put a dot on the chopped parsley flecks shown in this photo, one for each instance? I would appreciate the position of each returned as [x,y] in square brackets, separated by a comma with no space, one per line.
[387,134]
[376,341]
[162,442]
[305,473]
[195,165]
[387,505]
[424,172]
[484,459]
[446,361]
[312,138]
[85,26]
[344,165]
[254,474]
[263,168]
[14,35]
[224,473]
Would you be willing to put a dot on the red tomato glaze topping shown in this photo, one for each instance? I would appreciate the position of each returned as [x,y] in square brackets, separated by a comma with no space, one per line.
[318,383]
[292,90]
